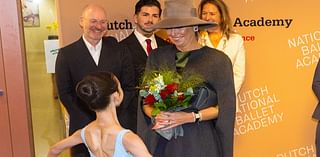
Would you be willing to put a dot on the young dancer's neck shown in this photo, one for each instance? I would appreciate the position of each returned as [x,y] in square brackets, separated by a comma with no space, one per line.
[108,116]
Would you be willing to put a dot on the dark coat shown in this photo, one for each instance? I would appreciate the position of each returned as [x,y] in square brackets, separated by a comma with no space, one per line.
[212,138]
[139,58]
[316,90]
[74,62]
[316,113]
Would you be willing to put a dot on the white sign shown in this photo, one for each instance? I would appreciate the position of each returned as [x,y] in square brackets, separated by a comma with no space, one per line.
[51,48]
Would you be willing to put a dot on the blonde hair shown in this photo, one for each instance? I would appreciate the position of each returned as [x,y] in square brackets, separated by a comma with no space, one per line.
[225,24]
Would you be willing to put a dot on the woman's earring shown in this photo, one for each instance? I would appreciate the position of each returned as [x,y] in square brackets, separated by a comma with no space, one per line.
[195,28]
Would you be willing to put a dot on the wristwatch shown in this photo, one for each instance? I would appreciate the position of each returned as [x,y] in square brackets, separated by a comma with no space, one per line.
[197,116]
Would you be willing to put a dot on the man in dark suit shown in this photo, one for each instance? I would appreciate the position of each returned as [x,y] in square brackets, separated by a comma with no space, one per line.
[147,13]
[316,113]
[92,52]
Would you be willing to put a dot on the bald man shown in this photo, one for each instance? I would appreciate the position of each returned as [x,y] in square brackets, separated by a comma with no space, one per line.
[92,52]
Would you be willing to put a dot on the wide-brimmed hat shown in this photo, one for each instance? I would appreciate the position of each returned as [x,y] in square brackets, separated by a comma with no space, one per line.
[180,13]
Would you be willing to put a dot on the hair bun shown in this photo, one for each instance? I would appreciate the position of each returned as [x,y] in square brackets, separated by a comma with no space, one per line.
[95,89]
[87,91]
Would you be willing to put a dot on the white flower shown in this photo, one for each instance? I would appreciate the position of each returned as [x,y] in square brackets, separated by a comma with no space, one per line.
[156,85]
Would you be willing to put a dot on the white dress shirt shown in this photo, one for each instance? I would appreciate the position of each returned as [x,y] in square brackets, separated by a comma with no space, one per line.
[142,41]
[94,50]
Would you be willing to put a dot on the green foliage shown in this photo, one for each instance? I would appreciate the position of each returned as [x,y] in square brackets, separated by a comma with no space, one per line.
[169,76]
[156,81]
[190,80]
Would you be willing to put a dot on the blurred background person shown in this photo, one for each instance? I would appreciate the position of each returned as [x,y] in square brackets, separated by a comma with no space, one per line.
[223,37]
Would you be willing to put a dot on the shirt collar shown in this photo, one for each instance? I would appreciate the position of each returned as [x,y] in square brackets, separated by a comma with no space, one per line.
[91,47]
[142,38]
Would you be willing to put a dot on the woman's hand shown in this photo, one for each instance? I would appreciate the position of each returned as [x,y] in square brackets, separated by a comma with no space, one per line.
[167,120]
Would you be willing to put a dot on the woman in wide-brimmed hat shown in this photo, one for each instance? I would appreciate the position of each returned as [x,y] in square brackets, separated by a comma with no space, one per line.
[207,127]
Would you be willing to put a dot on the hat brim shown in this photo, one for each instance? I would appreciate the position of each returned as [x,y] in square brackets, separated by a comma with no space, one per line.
[171,22]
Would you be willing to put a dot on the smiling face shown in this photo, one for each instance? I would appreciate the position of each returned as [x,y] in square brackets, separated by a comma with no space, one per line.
[147,17]
[94,24]
[181,37]
[211,13]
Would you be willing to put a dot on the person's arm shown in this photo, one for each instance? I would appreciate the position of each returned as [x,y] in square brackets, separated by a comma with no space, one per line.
[239,66]
[135,146]
[127,78]
[147,109]
[150,65]
[224,87]
[66,143]
[64,81]
[316,81]
[173,119]
[209,113]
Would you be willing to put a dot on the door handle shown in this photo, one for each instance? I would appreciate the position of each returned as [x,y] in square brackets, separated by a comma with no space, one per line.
[1,92]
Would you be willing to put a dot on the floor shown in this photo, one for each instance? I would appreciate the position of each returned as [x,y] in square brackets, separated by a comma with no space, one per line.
[47,116]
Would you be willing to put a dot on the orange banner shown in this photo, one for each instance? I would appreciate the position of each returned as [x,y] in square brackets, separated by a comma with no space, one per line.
[282,41]
[276,101]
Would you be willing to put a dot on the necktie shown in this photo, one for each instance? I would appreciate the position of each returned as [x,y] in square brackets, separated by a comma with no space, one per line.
[149,48]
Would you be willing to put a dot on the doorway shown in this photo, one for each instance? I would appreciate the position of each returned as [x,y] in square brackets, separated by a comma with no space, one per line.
[40,25]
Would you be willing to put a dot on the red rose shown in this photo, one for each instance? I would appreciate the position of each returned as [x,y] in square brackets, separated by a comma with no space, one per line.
[150,99]
[164,93]
[172,87]
[181,97]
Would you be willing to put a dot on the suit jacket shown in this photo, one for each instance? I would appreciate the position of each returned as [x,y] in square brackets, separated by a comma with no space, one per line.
[139,56]
[316,90]
[74,62]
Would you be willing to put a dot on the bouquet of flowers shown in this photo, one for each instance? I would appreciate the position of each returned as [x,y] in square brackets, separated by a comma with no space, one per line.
[167,90]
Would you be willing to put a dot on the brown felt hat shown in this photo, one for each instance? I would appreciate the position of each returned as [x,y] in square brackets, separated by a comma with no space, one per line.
[180,13]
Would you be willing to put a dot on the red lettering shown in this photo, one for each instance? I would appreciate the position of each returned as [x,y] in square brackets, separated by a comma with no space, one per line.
[248,38]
